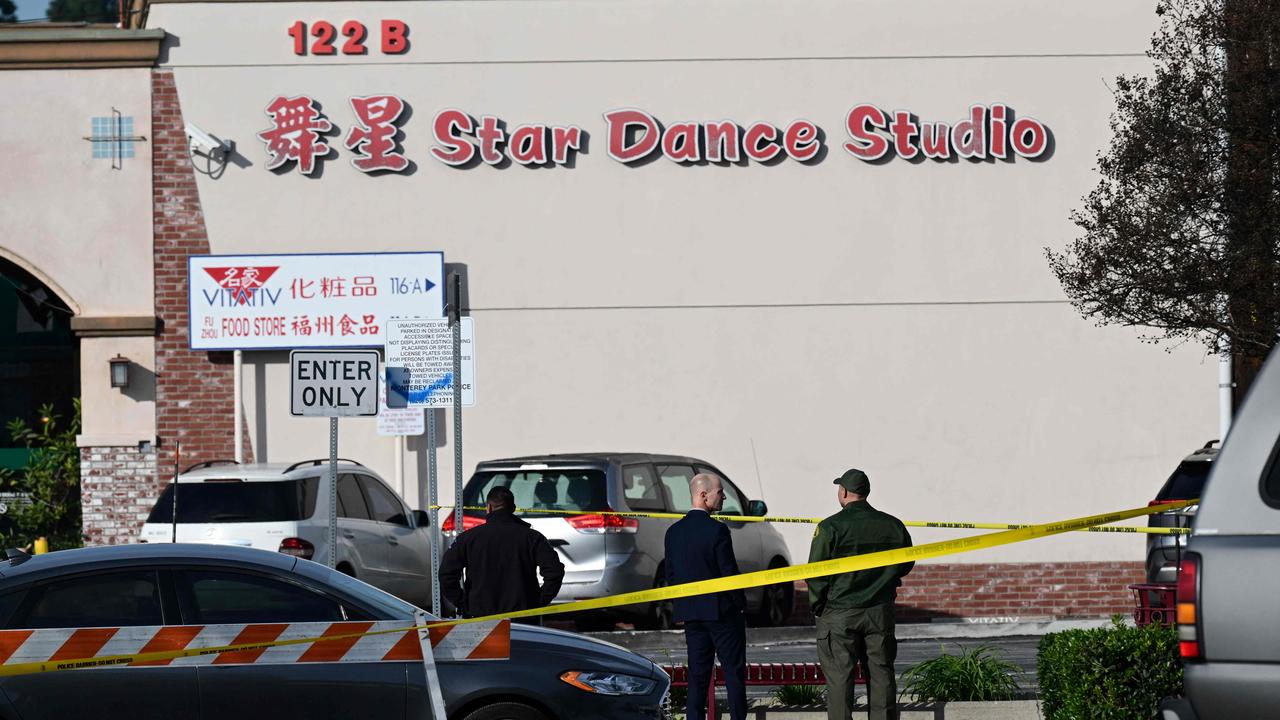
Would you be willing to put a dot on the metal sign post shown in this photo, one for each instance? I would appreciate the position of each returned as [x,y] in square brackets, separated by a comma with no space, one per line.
[333,492]
[433,499]
[455,313]
[422,362]
[333,384]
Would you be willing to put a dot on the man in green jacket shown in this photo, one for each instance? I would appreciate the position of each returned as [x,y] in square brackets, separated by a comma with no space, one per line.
[854,611]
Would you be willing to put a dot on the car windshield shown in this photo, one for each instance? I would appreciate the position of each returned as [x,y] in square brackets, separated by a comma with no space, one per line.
[548,489]
[235,501]
[1186,483]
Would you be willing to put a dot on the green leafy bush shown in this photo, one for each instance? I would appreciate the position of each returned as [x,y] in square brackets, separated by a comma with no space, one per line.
[799,695]
[1111,673]
[678,699]
[51,479]
[973,675]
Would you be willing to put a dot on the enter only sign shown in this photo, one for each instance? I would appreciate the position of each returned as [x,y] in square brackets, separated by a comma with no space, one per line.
[335,383]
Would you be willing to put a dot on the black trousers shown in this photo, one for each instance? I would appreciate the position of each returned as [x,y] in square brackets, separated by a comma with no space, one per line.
[706,640]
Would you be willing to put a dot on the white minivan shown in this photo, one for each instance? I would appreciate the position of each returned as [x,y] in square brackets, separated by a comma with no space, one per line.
[285,508]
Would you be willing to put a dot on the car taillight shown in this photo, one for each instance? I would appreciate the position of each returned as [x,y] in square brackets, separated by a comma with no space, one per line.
[297,547]
[468,522]
[1188,610]
[602,524]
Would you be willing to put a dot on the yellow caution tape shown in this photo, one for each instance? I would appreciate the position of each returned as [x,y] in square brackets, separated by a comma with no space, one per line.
[816,520]
[775,576]
[837,566]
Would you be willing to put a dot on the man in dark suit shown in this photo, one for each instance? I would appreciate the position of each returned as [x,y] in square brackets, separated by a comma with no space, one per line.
[698,547]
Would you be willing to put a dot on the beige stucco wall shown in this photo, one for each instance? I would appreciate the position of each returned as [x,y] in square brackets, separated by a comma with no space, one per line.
[896,317]
[81,226]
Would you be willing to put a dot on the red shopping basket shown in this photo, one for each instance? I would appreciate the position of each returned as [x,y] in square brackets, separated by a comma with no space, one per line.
[1153,603]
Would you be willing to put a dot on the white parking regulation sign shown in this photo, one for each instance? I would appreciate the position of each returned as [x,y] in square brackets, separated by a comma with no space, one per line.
[333,383]
[398,421]
[425,348]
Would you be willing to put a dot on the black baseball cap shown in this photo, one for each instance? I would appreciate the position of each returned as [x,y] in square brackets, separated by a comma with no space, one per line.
[855,481]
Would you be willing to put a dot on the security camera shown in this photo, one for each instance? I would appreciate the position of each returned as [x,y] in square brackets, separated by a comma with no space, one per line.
[202,143]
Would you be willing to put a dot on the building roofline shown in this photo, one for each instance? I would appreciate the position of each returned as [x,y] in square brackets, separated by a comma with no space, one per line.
[77,45]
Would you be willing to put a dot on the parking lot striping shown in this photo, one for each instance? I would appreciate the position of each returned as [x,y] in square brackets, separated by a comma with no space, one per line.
[62,643]
[815,521]
[836,566]
[25,652]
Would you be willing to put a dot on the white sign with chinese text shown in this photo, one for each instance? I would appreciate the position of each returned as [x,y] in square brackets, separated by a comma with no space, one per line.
[425,348]
[337,383]
[261,302]
[398,421]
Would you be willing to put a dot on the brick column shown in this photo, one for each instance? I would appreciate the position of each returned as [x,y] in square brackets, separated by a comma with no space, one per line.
[193,388]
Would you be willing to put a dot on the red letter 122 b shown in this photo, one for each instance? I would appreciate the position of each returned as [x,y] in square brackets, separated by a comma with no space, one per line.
[394,39]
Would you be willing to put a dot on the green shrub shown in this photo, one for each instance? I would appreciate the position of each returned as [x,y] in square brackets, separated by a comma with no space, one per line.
[975,674]
[679,700]
[51,479]
[1111,673]
[798,695]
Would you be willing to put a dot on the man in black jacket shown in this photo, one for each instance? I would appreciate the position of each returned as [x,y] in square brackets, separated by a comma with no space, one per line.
[501,559]
[698,547]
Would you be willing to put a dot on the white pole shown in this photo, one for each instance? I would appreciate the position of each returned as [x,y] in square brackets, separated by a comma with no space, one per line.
[400,465]
[238,405]
[1224,389]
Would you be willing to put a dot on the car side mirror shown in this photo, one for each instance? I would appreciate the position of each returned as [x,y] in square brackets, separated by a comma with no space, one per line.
[757,508]
[421,518]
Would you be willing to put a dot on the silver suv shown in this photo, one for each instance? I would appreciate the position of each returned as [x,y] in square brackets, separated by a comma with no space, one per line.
[285,508]
[1228,588]
[607,554]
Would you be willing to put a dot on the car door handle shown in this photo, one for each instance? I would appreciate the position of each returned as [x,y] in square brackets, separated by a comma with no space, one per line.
[392,539]
[348,535]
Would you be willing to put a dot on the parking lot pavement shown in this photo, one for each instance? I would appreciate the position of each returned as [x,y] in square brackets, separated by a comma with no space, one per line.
[1015,642]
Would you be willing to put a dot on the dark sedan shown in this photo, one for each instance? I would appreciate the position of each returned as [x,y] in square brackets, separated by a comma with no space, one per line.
[550,674]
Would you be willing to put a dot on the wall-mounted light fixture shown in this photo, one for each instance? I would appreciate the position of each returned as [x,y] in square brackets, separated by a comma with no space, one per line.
[119,371]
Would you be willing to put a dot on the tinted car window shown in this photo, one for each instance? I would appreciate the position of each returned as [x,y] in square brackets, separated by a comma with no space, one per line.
[1271,484]
[567,490]
[8,603]
[1186,483]
[351,502]
[675,478]
[216,597]
[116,599]
[641,489]
[383,505]
[217,501]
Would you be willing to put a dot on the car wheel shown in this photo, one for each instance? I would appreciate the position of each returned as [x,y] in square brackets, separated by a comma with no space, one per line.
[346,569]
[659,615]
[777,602]
[506,711]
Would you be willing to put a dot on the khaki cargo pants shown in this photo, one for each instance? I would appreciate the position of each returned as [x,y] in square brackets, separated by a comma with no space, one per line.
[865,635]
